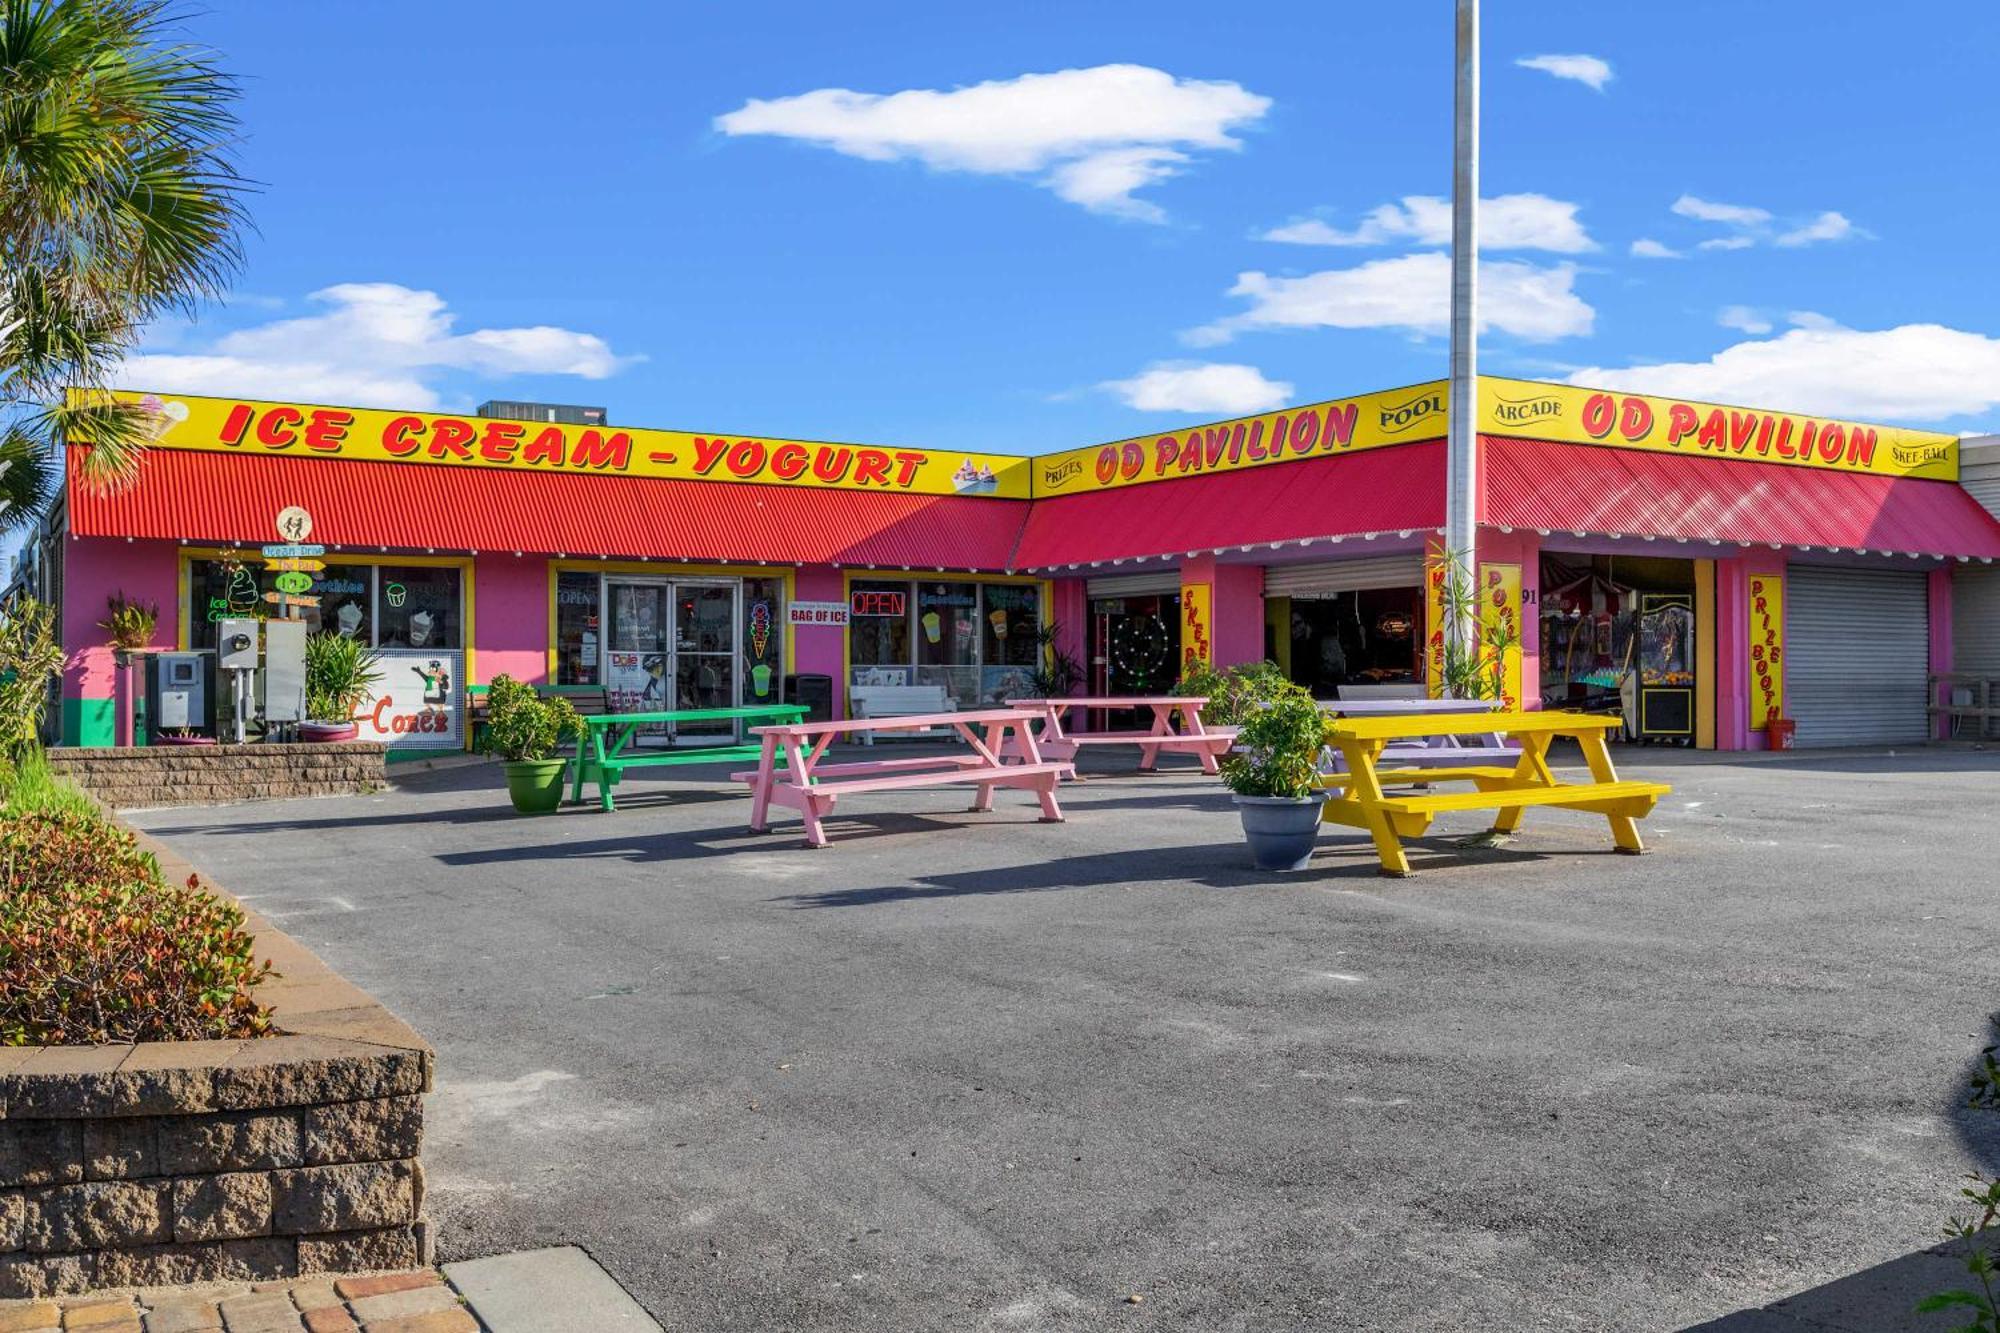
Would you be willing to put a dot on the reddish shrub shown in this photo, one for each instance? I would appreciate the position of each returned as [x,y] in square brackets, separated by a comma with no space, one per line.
[95,946]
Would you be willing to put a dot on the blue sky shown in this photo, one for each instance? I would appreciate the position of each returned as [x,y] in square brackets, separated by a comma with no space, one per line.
[664,209]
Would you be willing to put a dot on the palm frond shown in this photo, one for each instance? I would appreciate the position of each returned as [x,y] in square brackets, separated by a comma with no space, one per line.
[27,478]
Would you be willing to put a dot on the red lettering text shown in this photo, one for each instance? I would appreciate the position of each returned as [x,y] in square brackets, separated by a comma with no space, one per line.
[279,428]
[397,439]
[871,467]
[746,459]
[598,450]
[499,441]
[328,428]
[450,437]
[237,423]
[1600,414]
[788,461]
[1681,422]
[707,453]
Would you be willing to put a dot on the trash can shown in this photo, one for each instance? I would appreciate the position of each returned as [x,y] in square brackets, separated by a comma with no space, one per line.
[813,690]
[1780,731]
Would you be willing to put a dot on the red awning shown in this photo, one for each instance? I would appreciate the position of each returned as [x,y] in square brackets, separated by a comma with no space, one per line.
[225,498]
[1377,490]
[1630,492]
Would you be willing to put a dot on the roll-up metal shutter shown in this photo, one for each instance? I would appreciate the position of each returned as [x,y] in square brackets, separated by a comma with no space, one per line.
[1975,620]
[1134,585]
[1331,576]
[1857,655]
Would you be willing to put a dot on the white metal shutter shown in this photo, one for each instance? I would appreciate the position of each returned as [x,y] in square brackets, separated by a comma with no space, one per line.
[1857,655]
[1331,576]
[1975,619]
[1159,581]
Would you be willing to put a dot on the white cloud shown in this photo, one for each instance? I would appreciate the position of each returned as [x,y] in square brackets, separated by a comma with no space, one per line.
[1914,372]
[1506,222]
[1727,243]
[1742,318]
[1704,210]
[1206,387]
[1648,248]
[1091,135]
[377,344]
[1588,70]
[1828,226]
[1411,292]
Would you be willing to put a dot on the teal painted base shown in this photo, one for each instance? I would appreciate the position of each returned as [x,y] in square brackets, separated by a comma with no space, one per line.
[88,722]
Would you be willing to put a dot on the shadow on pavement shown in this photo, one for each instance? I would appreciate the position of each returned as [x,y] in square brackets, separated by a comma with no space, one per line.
[1881,1299]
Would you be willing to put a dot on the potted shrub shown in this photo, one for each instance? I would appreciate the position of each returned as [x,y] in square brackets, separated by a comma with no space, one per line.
[1272,771]
[339,674]
[525,729]
[129,623]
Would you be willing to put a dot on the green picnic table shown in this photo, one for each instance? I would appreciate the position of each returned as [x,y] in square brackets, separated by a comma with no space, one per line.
[606,743]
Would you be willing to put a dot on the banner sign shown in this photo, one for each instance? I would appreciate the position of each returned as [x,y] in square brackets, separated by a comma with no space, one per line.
[290,551]
[244,426]
[1196,647]
[817,613]
[1345,425]
[1767,648]
[1572,415]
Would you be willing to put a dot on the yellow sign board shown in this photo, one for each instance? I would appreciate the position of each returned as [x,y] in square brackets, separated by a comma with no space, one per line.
[1315,430]
[244,426]
[1767,648]
[1573,415]
[1499,623]
[1197,645]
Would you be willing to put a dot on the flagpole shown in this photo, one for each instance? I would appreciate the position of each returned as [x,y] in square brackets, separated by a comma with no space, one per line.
[1461,514]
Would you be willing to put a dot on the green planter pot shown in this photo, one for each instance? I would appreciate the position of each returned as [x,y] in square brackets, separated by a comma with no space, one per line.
[536,785]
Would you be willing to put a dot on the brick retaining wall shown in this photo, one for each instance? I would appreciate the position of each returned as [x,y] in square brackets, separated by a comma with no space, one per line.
[176,1162]
[156,775]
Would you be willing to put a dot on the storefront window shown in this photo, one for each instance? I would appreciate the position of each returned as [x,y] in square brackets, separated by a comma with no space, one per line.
[218,589]
[763,640]
[948,639]
[419,607]
[1010,654]
[578,611]
[1135,644]
[346,594]
[975,640]
[878,631]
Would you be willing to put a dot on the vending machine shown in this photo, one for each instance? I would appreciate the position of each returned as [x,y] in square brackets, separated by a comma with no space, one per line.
[1665,667]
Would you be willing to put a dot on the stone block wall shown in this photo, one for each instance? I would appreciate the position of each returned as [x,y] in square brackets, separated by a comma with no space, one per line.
[157,775]
[163,1163]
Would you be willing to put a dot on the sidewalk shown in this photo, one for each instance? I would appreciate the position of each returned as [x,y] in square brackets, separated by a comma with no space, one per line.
[535,1291]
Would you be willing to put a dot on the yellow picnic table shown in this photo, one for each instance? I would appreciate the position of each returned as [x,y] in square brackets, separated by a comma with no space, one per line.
[1509,791]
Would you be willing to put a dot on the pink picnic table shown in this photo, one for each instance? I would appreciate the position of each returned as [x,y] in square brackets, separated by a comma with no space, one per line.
[1206,743]
[803,780]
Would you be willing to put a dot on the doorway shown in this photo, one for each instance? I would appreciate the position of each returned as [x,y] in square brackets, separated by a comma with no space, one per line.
[670,645]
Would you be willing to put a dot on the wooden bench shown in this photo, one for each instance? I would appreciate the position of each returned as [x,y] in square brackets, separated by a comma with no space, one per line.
[791,770]
[1057,741]
[1509,792]
[587,700]
[605,748]
[878,701]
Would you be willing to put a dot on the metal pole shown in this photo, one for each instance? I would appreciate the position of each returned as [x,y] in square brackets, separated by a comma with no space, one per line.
[1461,512]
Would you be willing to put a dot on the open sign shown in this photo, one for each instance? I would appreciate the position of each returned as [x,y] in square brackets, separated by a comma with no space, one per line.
[878,603]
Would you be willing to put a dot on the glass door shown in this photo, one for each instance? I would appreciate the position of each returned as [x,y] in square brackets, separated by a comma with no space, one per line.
[705,656]
[637,652]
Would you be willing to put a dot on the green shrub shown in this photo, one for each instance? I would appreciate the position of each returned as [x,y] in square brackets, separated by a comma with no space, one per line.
[1235,694]
[1277,748]
[28,786]
[522,725]
[95,946]
[30,656]
[339,673]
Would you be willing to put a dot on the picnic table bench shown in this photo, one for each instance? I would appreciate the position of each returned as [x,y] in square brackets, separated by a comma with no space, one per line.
[605,749]
[791,769]
[1507,790]
[1057,741]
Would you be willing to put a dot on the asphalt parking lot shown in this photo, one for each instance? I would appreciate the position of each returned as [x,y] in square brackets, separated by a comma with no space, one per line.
[973,1072]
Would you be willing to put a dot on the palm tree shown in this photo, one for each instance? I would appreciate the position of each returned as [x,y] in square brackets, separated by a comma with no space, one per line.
[119,202]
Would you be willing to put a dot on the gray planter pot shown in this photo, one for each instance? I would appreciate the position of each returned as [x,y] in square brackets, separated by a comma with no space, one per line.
[1281,830]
